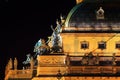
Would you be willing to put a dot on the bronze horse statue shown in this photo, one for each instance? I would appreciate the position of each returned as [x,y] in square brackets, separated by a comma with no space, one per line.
[41,47]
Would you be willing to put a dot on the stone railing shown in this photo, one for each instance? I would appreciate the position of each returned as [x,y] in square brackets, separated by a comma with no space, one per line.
[91,28]
[20,73]
[94,53]
[94,69]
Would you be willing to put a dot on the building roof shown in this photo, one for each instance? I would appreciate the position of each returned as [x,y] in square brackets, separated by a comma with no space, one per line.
[88,14]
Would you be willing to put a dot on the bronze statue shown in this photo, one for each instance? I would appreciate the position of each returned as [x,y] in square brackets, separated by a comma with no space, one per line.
[41,47]
[56,39]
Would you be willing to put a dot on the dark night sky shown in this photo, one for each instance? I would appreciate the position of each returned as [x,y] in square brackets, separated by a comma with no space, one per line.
[24,23]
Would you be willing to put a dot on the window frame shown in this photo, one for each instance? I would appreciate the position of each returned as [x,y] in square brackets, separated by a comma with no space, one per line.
[84,45]
[102,45]
[117,43]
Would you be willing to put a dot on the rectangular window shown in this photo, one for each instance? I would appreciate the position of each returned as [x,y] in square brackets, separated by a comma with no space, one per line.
[84,45]
[102,45]
[117,46]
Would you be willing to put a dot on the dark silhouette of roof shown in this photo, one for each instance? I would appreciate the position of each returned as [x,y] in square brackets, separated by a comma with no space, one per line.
[85,14]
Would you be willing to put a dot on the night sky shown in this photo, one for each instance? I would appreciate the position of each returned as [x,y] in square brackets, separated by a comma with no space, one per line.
[23,23]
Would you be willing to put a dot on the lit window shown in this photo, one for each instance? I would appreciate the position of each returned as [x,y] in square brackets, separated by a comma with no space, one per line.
[84,45]
[102,45]
[117,45]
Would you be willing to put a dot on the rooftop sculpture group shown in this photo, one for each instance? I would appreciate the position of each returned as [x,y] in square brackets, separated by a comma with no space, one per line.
[54,43]
[41,47]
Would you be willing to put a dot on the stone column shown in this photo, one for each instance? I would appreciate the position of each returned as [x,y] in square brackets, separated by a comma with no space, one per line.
[15,64]
[10,63]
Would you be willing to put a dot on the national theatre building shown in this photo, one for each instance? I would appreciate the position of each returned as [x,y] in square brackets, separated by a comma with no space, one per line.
[85,45]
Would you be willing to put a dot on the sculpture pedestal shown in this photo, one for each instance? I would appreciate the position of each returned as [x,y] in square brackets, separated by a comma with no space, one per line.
[51,64]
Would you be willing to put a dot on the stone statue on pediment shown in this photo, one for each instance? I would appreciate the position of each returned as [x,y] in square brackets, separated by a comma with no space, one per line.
[84,60]
[113,59]
[90,59]
[97,59]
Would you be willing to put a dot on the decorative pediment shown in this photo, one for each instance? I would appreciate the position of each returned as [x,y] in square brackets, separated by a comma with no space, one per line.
[51,60]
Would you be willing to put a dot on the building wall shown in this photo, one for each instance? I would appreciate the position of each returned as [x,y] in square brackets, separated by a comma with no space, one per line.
[50,65]
[77,78]
[72,42]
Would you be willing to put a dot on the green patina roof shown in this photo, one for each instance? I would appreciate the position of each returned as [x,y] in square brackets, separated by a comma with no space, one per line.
[89,7]
[71,13]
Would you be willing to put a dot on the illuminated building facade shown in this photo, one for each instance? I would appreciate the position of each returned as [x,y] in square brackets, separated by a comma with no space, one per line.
[84,45]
